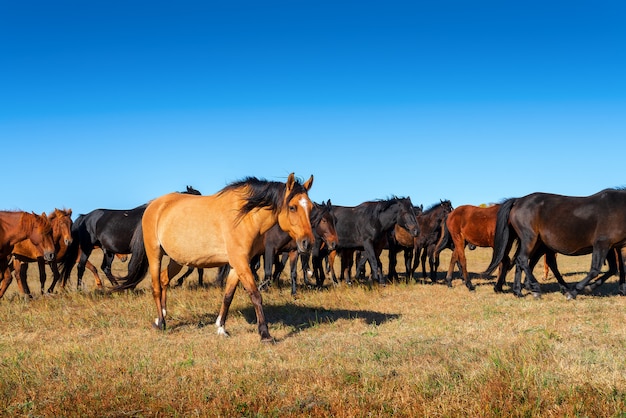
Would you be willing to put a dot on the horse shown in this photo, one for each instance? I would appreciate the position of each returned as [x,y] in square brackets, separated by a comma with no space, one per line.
[17,226]
[568,225]
[211,231]
[430,229]
[473,225]
[364,227]
[108,229]
[26,252]
[277,241]
[399,239]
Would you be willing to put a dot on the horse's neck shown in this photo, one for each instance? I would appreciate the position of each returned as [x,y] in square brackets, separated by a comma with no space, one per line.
[388,218]
[10,231]
[261,220]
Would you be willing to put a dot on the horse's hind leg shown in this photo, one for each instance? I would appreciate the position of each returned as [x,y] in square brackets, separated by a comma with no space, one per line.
[614,258]
[597,259]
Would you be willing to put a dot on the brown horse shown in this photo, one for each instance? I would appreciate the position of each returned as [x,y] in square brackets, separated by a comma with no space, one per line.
[26,252]
[17,226]
[472,225]
[211,231]
[550,223]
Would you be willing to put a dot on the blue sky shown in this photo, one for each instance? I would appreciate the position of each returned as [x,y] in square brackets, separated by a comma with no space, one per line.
[111,104]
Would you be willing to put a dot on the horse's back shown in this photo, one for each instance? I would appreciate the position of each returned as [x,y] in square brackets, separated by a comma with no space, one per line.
[190,229]
[571,224]
[476,224]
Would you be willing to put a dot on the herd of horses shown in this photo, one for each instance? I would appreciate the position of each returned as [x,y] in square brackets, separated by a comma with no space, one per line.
[254,219]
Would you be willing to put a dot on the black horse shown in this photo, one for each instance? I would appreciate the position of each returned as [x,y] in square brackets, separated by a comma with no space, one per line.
[364,228]
[108,229]
[550,223]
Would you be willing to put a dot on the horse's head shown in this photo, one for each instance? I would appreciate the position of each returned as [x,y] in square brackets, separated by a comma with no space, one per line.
[295,214]
[407,218]
[446,206]
[61,221]
[323,222]
[39,231]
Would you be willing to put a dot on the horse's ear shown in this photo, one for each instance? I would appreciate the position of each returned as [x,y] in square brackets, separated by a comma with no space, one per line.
[69,212]
[290,182]
[308,183]
[328,203]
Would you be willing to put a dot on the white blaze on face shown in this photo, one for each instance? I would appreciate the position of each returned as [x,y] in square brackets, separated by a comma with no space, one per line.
[303,202]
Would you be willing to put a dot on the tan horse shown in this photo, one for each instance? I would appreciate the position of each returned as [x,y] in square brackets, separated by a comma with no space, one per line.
[224,228]
[17,226]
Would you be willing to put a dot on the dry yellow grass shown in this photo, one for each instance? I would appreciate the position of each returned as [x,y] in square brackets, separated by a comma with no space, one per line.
[404,350]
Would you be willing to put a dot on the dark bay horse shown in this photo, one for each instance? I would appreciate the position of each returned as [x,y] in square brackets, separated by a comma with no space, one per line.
[399,239]
[211,231]
[430,229]
[17,226]
[108,229]
[26,252]
[364,228]
[278,241]
[568,225]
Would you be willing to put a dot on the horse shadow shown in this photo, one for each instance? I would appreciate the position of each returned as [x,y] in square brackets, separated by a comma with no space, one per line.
[300,318]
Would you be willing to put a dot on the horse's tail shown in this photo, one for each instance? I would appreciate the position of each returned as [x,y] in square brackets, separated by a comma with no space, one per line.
[502,234]
[138,265]
[444,239]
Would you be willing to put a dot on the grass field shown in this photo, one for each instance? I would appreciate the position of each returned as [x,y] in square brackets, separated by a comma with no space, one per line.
[413,349]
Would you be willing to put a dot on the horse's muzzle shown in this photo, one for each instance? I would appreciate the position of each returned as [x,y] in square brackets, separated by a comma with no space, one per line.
[304,245]
[48,255]
[414,231]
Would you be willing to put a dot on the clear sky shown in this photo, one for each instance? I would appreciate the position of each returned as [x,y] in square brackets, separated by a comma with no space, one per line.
[108,104]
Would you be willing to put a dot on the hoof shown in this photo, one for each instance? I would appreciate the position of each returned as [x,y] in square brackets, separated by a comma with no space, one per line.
[570,295]
[536,295]
[268,340]
[498,289]
[221,331]
[158,325]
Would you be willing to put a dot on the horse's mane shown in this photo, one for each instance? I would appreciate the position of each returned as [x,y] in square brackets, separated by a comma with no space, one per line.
[59,213]
[30,220]
[262,193]
[375,207]
[434,206]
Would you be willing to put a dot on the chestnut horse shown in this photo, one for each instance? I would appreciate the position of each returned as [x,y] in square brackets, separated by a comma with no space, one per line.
[26,252]
[211,231]
[568,225]
[17,226]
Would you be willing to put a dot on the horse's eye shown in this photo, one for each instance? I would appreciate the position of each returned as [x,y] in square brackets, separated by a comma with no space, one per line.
[292,208]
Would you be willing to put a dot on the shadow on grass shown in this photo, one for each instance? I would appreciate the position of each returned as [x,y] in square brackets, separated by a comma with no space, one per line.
[293,316]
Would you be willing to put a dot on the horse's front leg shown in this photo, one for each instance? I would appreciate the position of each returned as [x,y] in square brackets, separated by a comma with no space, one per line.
[240,272]
[7,278]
